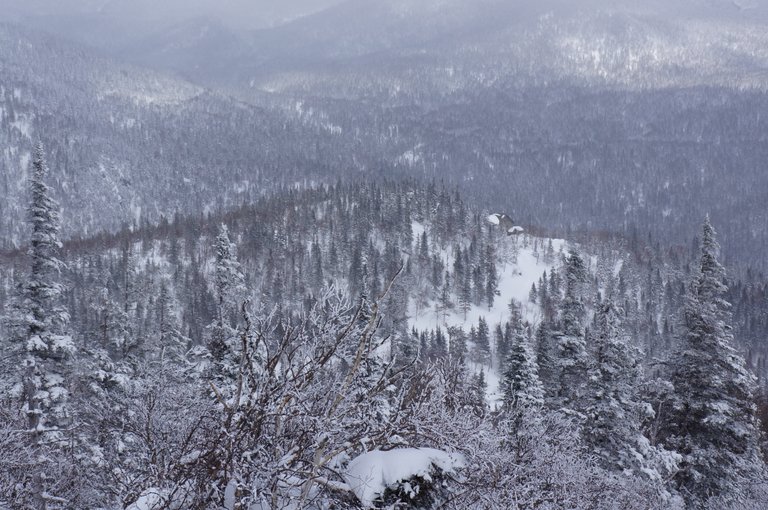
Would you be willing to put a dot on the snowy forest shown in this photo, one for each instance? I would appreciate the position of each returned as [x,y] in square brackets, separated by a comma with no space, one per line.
[260,358]
[384,255]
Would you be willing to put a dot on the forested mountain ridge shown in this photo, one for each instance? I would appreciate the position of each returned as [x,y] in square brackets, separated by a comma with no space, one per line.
[127,146]
[645,161]
[160,308]
[359,46]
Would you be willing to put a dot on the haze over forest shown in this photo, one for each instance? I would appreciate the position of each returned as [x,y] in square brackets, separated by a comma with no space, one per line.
[261,254]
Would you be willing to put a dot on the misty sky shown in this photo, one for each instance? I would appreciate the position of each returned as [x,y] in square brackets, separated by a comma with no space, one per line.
[238,13]
[242,14]
[128,28]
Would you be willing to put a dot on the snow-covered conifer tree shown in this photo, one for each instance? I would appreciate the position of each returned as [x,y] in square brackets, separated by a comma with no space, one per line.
[172,344]
[44,370]
[316,257]
[521,384]
[48,350]
[713,422]
[544,347]
[571,349]
[229,285]
[482,342]
[612,428]
[492,279]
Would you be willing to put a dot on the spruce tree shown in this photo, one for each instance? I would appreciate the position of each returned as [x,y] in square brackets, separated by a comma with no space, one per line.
[482,342]
[533,294]
[479,390]
[545,349]
[316,257]
[457,344]
[355,273]
[48,351]
[42,290]
[521,384]
[445,304]
[130,284]
[465,296]
[492,279]
[171,345]
[713,421]
[572,359]
[612,428]
[229,286]
[502,344]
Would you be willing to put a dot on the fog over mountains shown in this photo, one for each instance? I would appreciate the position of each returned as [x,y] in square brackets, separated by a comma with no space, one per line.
[235,42]
[388,81]
[244,14]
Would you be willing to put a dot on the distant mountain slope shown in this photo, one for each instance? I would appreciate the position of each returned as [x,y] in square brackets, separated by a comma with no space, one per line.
[628,116]
[635,44]
[408,45]
[127,145]
[54,67]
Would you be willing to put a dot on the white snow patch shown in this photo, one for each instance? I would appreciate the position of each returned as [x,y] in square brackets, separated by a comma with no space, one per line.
[494,395]
[150,499]
[515,280]
[411,157]
[417,229]
[230,494]
[23,125]
[24,160]
[370,474]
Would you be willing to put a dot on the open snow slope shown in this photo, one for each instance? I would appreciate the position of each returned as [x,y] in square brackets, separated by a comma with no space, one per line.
[520,263]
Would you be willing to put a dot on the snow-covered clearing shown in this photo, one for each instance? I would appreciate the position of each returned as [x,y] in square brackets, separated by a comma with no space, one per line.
[519,266]
[516,276]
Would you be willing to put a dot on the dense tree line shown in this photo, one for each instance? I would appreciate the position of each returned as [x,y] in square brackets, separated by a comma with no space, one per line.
[245,360]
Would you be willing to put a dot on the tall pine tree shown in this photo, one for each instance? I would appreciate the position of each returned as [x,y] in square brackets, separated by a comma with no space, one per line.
[713,421]
[612,427]
[520,383]
[571,361]
[46,364]
[48,350]
[223,341]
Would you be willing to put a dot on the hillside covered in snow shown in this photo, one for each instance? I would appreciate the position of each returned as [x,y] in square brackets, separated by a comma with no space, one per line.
[383,254]
[361,346]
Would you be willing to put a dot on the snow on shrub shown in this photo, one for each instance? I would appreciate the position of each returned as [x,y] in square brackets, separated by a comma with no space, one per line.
[410,472]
